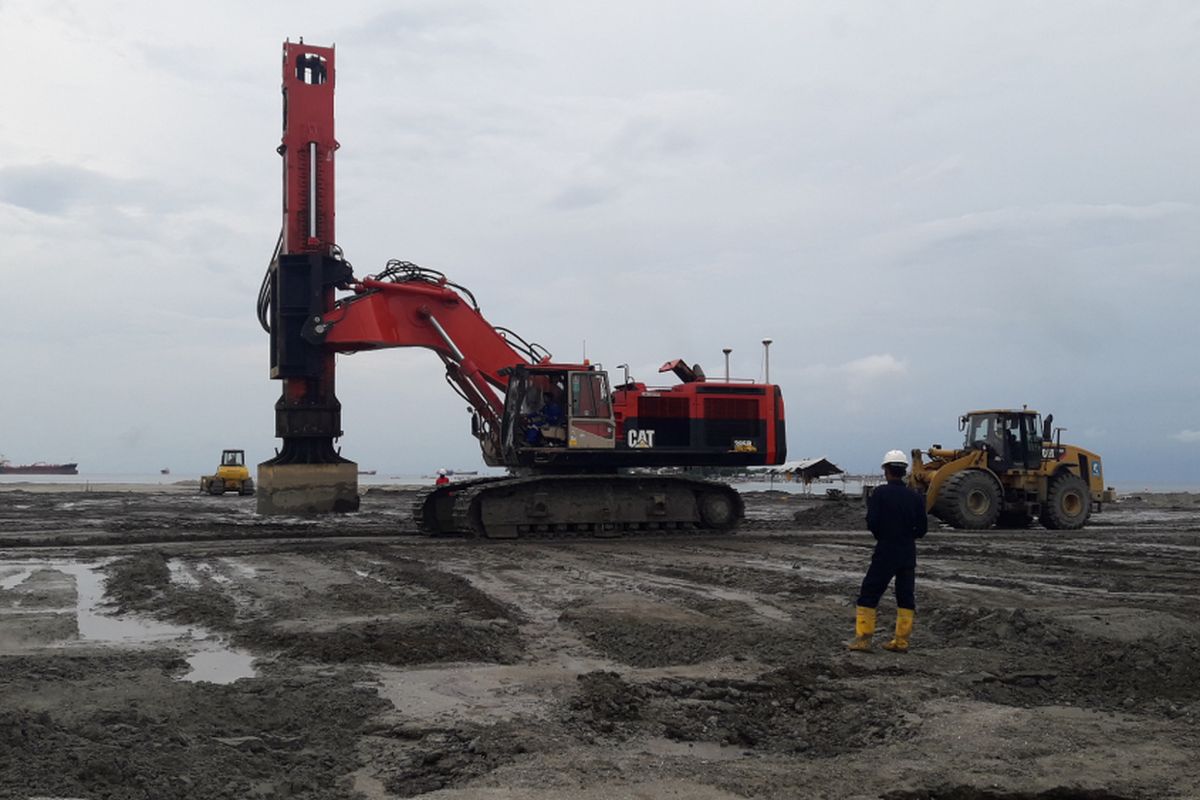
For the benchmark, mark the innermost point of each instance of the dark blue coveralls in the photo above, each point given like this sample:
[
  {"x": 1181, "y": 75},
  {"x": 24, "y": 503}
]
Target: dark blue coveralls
[
  {"x": 896, "y": 516},
  {"x": 551, "y": 414}
]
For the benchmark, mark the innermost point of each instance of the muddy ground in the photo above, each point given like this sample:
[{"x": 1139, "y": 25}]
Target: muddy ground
[{"x": 164, "y": 644}]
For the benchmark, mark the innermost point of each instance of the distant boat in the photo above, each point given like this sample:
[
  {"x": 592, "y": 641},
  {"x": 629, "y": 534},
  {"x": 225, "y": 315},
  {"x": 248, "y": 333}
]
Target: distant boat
[
  {"x": 366, "y": 472},
  {"x": 165, "y": 471},
  {"x": 37, "y": 468}
]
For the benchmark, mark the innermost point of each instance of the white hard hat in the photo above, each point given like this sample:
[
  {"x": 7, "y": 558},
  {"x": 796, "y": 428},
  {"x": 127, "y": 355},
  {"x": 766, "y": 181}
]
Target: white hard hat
[
  {"x": 896, "y": 457},
  {"x": 441, "y": 472}
]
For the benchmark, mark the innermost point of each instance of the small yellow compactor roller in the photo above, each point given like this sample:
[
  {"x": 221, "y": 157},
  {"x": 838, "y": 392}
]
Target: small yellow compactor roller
[
  {"x": 232, "y": 475},
  {"x": 1008, "y": 471}
]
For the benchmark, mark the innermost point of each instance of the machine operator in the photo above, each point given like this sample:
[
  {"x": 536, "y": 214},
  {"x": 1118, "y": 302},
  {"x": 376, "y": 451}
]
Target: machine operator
[{"x": 547, "y": 426}]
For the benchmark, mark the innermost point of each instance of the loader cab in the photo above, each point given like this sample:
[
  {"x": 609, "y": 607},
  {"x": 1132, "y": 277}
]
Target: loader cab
[
  {"x": 551, "y": 411},
  {"x": 1013, "y": 439},
  {"x": 233, "y": 458}
]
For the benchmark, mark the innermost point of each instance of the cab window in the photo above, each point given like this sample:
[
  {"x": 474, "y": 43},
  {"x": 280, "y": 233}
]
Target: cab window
[
  {"x": 589, "y": 395},
  {"x": 981, "y": 430}
]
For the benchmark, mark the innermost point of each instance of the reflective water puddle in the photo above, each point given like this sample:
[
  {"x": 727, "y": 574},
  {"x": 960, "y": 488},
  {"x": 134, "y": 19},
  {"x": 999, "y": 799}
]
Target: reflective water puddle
[
  {"x": 210, "y": 658},
  {"x": 11, "y": 577},
  {"x": 221, "y": 665}
]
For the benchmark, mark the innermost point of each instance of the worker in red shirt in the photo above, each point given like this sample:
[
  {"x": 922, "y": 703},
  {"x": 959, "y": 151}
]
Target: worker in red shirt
[{"x": 442, "y": 478}]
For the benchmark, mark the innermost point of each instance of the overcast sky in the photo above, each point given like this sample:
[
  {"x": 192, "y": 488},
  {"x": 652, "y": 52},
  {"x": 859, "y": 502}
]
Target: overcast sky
[{"x": 930, "y": 207}]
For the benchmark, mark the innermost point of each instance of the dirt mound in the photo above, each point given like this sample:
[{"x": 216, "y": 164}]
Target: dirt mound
[
  {"x": 47, "y": 670},
  {"x": 437, "y": 639},
  {"x": 809, "y": 708},
  {"x": 249, "y": 739},
  {"x": 1053, "y": 664},
  {"x": 832, "y": 515},
  {"x": 1146, "y": 677},
  {"x": 983, "y": 627},
  {"x": 421, "y": 760},
  {"x": 1176, "y": 501},
  {"x": 605, "y": 699},
  {"x": 709, "y": 630},
  {"x": 654, "y": 643},
  {"x": 800, "y": 708}
]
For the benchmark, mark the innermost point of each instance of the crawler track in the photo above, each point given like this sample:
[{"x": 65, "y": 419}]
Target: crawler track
[{"x": 578, "y": 505}]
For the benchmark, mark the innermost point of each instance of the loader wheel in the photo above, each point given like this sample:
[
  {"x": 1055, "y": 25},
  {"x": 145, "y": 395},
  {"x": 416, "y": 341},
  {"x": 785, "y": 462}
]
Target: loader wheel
[
  {"x": 971, "y": 500},
  {"x": 216, "y": 486},
  {"x": 1068, "y": 504},
  {"x": 247, "y": 487}
]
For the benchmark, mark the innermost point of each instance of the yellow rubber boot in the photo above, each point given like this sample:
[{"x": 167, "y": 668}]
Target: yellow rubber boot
[
  {"x": 904, "y": 623},
  {"x": 864, "y": 626}
]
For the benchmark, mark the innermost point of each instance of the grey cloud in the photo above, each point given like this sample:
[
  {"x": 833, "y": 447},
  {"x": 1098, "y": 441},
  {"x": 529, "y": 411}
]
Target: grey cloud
[
  {"x": 584, "y": 195},
  {"x": 439, "y": 28},
  {"x": 1029, "y": 220},
  {"x": 643, "y": 138},
  {"x": 642, "y": 146},
  {"x": 55, "y": 189},
  {"x": 194, "y": 63},
  {"x": 49, "y": 189}
]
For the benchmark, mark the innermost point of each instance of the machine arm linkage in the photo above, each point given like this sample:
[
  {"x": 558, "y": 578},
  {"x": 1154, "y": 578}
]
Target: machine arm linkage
[{"x": 423, "y": 310}]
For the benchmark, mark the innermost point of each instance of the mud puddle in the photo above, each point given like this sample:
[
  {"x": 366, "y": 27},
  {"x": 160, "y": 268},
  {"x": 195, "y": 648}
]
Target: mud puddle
[{"x": 74, "y": 592}]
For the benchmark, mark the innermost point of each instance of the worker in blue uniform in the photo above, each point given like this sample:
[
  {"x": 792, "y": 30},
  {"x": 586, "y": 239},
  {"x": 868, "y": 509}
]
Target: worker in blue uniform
[
  {"x": 547, "y": 426},
  {"x": 896, "y": 517}
]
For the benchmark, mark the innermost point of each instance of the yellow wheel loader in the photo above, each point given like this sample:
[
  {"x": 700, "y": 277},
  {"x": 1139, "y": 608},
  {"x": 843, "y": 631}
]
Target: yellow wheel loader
[
  {"x": 232, "y": 475},
  {"x": 1008, "y": 471}
]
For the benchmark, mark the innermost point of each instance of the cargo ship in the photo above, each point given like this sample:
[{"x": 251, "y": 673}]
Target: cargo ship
[{"x": 37, "y": 468}]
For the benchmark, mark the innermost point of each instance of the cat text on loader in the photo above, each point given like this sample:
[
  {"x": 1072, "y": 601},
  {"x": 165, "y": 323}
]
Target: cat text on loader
[
  {"x": 232, "y": 475},
  {"x": 1008, "y": 471}
]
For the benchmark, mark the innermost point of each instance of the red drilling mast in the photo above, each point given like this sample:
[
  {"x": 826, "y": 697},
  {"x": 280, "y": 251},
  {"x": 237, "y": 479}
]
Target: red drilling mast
[
  {"x": 308, "y": 148},
  {"x": 307, "y": 474}
]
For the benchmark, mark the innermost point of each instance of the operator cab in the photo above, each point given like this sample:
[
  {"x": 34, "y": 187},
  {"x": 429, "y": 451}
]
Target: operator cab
[
  {"x": 1012, "y": 439},
  {"x": 233, "y": 458},
  {"x": 558, "y": 407}
]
